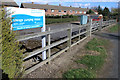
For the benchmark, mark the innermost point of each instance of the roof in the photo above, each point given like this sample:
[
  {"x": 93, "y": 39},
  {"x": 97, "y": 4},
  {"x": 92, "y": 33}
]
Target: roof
[
  {"x": 46, "y": 6},
  {"x": 95, "y": 15},
  {"x": 93, "y": 10},
  {"x": 10, "y": 3}
]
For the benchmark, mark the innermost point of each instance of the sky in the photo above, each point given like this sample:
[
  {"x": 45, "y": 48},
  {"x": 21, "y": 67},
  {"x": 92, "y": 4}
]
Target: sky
[{"x": 75, "y": 3}]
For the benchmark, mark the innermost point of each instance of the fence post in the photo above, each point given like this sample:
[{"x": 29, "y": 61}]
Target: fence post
[
  {"x": 79, "y": 32},
  {"x": 100, "y": 26},
  {"x": 89, "y": 28},
  {"x": 49, "y": 42},
  {"x": 108, "y": 22},
  {"x": 69, "y": 36}
]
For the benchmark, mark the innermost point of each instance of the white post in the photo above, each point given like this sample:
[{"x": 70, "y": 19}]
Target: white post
[{"x": 43, "y": 29}]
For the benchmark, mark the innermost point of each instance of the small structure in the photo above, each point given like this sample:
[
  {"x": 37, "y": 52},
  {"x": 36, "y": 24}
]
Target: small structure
[{"x": 83, "y": 19}]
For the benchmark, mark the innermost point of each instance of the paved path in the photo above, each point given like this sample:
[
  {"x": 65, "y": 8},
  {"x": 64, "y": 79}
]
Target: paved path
[{"x": 111, "y": 67}]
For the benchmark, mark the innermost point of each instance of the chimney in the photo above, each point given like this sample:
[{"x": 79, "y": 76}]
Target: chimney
[
  {"x": 79, "y": 7},
  {"x": 87, "y": 8},
  {"x": 32, "y": 2},
  {"x": 47, "y": 4},
  {"x": 70, "y": 6},
  {"x": 59, "y": 4}
]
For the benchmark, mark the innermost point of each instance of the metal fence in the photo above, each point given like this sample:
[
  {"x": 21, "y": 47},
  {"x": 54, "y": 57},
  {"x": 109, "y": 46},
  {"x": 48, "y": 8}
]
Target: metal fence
[{"x": 85, "y": 30}]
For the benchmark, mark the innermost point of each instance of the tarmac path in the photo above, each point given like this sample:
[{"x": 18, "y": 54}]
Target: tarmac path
[{"x": 110, "y": 69}]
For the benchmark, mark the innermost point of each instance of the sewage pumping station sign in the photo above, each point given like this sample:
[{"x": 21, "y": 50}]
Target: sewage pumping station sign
[{"x": 26, "y": 18}]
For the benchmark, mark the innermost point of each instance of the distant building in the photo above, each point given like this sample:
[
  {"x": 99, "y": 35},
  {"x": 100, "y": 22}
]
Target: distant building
[
  {"x": 52, "y": 10},
  {"x": 93, "y": 16},
  {"x": 9, "y": 3},
  {"x": 95, "y": 12}
]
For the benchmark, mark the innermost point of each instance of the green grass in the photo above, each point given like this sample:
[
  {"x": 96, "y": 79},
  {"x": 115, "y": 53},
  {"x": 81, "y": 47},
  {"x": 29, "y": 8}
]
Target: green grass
[
  {"x": 114, "y": 28},
  {"x": 93, "y": 62},
  {"x": 97, "y": 45},
  {"x": 59, "y": 20},
  {"x": 78, "y": 73}
]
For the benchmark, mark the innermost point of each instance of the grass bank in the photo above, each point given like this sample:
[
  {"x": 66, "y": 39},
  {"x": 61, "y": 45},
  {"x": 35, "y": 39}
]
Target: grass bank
[
  {"x": 93, "y": 62},
  {"x": 114, "y": 28}
]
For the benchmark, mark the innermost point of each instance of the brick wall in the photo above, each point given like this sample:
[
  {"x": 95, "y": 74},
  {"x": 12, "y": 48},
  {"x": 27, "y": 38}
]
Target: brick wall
[{"x": 56, "y": 12}]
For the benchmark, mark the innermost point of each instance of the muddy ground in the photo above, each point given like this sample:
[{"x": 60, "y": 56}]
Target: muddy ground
[
  {"x": 67, "y": 59},
  {"x": 61, "y": 63}
]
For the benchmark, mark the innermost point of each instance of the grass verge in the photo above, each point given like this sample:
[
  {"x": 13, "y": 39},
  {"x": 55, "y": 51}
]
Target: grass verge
[
  {"x": 79, "y": 73},
  {"x": 114, "y": 28},
  {"x": 93, "y": 62}
]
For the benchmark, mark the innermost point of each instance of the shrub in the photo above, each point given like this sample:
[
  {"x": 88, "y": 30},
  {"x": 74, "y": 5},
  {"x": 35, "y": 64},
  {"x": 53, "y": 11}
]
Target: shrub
[{"x": 11, "y": 54}]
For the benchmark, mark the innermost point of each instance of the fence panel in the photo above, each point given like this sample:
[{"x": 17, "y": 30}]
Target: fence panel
[{"x": 88, "y": 30}]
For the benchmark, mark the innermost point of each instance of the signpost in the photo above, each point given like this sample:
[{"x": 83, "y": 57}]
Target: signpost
[{"x": 27, "y": 19}]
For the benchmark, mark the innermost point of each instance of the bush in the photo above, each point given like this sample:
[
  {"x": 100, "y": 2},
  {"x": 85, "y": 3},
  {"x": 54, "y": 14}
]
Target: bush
[
  {"x": 78, "y": 73},
  {"x": 105, "y": 18},
  {"x": 11, "y": 54}
]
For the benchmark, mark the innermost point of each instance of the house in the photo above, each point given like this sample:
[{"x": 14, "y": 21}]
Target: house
[
  {"x": 8, "y": 3},
  {"x": 95, "y": 12},
  {"x": 52, "y": 10},
  {"x": 94, "y": 16}
]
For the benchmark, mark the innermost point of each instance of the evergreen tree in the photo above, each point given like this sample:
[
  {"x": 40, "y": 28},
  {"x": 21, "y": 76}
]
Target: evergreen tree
[
  {"x": 90, "y": 12},
  {"x": 106, "y": 12},
  {"x": 99, "y": 10},
  {"x": 11, "y": 53}
]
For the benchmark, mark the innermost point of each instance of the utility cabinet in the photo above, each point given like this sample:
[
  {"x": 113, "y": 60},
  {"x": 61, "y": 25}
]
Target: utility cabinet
[{"x": 83, "y": 19}]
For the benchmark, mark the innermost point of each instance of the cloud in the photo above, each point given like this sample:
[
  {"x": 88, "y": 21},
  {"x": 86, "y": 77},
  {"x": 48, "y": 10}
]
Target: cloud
[
  {"x": 102, "y": 7},
  {"x": 90, "y": 0},
  {"x": 84, "y": 5},
  {"x": 87, "y": 5}
]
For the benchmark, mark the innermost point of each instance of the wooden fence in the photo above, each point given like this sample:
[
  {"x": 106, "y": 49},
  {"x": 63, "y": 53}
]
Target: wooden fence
[{"x": 89, "y": 28}]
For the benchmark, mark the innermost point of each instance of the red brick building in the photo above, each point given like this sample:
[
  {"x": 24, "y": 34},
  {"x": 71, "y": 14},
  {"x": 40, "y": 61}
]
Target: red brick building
[
  {"x": 95, "y": 12},
  {"x": 52, "y": 10},
  {"x": 12, "y": 3}
]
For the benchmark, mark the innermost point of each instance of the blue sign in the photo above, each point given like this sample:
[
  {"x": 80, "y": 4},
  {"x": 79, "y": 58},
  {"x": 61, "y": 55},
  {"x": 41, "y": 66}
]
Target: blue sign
[
  {"x": 22, "y": 21},
  {"x": 24, "y": 18}
]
